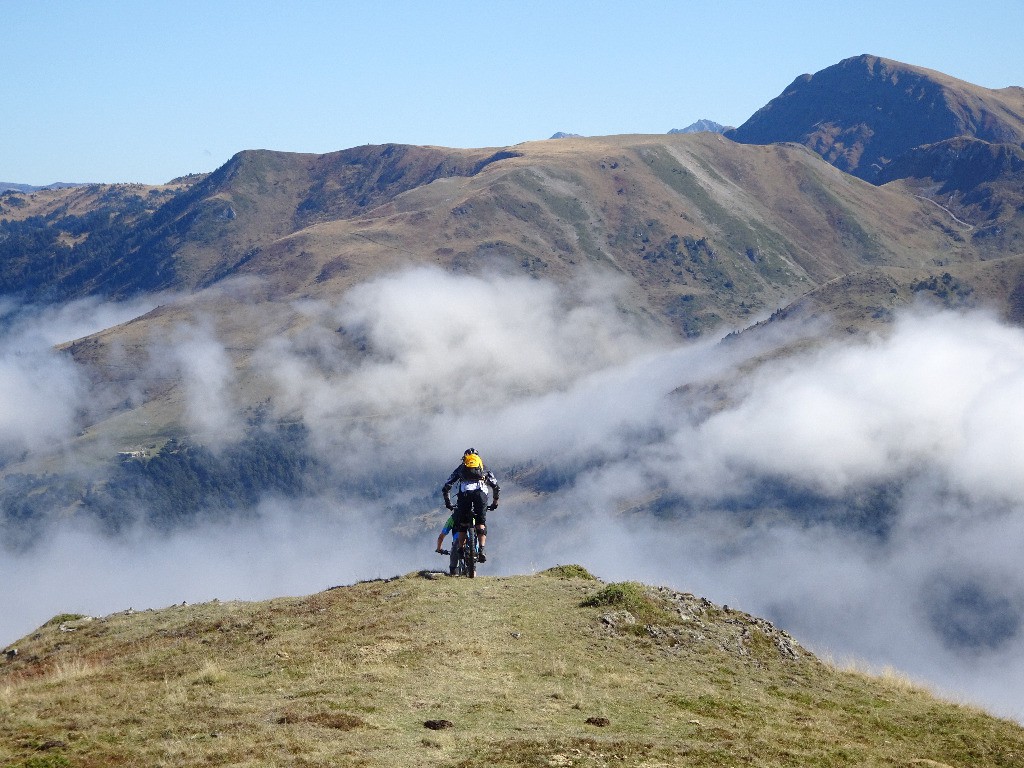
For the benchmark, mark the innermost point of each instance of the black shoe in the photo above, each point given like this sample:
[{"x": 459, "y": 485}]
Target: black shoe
[
  {"x": 451, "y": 571},
  {"x": 483, "y": 557}
]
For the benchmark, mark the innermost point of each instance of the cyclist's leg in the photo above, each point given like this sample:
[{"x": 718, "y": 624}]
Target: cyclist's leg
[
  {"x": 462, "y": 518},
  {"x": 464, "y": 511},
  {"x": 480, "y": 513}
]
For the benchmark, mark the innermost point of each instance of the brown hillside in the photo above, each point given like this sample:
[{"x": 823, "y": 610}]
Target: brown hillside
[
  {"x": 260, "y": 196},
  {"x": 710, "y": 231},
  {"x": 81, "y": 200}
]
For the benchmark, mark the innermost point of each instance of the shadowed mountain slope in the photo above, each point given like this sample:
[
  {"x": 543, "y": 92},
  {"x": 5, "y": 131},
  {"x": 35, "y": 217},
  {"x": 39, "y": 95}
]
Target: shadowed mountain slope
[
  {"x": 865, "y": 112},
  {"x": 977, "y": 181},
  {"x": 119, "y": 240},
  {"x": 552, "y": 669}
]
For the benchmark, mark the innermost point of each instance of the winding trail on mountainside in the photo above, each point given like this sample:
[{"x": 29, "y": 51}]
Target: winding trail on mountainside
[{"x": 951, "y": 214}]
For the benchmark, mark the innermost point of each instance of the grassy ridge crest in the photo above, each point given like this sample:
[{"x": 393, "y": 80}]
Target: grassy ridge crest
[{"x": 558, "y": 668}]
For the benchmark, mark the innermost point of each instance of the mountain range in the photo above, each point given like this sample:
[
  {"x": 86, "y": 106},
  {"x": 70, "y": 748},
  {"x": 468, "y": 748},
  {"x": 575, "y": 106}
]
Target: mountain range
[{"x": 713, "y": 233}]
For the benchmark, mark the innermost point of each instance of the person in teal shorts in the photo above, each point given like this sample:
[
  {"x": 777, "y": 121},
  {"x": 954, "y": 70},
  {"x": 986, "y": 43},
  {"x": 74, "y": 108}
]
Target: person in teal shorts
[{"x": 449, "y": 525}]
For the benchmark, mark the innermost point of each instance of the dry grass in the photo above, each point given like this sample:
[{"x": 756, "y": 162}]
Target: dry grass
[
  {"x": 210, "y": 674},
  {"x": 888, "y": 676}
]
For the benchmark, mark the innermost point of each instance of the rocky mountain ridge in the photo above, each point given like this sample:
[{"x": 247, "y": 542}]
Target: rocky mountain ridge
[{"x": 703, "y": 125}]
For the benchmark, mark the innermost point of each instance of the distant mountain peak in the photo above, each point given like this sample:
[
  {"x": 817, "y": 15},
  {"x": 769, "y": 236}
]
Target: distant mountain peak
[
  {"x": 866, "y": 111},
  {"x": 703, "y": 125},
  {"x": 6, "y": 186},
  {"x": 564, "y": 135}
]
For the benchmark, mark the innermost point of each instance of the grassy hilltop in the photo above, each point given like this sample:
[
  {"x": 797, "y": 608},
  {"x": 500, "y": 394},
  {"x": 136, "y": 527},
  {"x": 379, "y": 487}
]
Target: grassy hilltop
[{"x": 555, "y": 669}]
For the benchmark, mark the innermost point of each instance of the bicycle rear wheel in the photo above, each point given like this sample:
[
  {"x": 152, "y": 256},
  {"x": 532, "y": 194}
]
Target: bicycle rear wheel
[
  {"x": 460, "y": 558},
  {"x": 470, "y": 553}
]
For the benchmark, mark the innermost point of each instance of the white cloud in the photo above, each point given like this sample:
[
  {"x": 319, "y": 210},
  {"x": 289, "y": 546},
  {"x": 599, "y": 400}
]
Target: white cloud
[
  {"x": 41, "y": 390},
  {"x": 938, "y": 393},
  {"x": 208, "y": 376},
  {"x": 425, "y": 361}
]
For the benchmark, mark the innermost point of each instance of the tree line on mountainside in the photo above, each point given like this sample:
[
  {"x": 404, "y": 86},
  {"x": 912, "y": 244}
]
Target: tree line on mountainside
[
  {"x": 184, "y": 483},
  {"x": 110, "y": 250},
  {"x": 180, "y": 485}
]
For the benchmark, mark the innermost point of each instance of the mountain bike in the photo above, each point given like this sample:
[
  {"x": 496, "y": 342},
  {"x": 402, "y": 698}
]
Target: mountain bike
[{"x": 467, "y": 552}]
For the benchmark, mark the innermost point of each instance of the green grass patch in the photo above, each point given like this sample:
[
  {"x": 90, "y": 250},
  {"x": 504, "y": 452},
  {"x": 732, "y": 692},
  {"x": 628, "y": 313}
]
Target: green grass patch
[
  {"x": 44, "y": 761},
  {"x": 633, "y": 597},
  {"x": 571, "y": 571}
]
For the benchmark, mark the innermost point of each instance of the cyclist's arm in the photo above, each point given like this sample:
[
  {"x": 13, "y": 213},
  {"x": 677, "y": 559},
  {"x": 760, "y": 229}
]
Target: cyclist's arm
[
  {"x": 493, "y": 482},
  {"x": 447, "y": 489}
]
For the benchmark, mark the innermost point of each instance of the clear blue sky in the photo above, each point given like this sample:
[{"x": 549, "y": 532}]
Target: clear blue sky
[{"x": 146, "y": 90}]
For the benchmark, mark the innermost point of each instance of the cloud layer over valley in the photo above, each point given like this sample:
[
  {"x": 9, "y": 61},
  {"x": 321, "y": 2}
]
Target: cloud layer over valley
[{"x": 867, "y": 496}]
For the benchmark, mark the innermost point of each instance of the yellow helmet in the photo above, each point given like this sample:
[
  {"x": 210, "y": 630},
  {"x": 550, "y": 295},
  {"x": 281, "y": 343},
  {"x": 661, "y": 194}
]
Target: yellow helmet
[{"x": 472, "y": 460}]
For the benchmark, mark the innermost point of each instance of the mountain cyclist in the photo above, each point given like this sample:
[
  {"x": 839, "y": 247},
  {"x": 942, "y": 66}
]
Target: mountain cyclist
[{"x": 472, "y": 479}]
